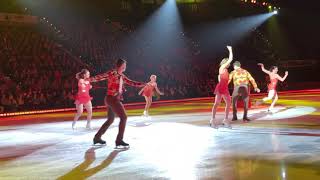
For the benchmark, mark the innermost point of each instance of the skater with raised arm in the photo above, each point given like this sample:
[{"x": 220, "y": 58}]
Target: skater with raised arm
[
  {"x": 272, "y": 86},
  {"x": 222, "y": 92}
]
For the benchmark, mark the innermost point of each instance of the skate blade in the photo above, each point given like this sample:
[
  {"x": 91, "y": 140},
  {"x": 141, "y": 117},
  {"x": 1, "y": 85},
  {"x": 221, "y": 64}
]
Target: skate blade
[
  {"x": 99, "y": 145},
  {"x": 122, "y": 147},
  {"x": 214, "y": 126}
]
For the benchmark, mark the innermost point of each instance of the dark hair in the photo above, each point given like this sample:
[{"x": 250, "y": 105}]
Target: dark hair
[
  {"x": 80, "y": 75},
  {"x": 273, "y": 67},
  {"x": 119, "y": 62},
  {"x": 237, "y": 63}
]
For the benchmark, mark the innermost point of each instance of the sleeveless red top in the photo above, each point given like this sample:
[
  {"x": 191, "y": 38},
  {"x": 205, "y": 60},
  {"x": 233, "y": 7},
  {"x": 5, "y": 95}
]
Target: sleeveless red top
[
  {"x": 83, "y": 96},
  {"x": 273, "y": 84},
  {"x": 148, "y": 90},
  {"x": 222, "y": 86}
]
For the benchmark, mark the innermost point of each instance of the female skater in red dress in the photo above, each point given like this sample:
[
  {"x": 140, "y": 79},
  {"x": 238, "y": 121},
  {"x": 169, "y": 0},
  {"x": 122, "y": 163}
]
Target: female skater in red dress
[
  {"x": 83, "y": 98},
  {"x": 222, "y": 91},
  {"x": 147, "y": 92},
  {"x": 272, "y": 87}
]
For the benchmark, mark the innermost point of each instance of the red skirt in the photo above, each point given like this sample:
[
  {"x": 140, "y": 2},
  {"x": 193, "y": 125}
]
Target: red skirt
[
  {"x": 147, "y": 92},
  {"x": 82, "y": 99},
  {"x": 222, "y": 89}
]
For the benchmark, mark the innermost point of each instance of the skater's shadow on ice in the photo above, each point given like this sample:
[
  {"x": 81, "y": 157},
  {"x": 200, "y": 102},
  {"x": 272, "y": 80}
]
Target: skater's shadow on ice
[
  {"x": 82, "y": 171},
  {"x": 265, "y": 113},
  {"x": 140, "y": 121},
  {"x": 139, "y": 124},
  {"x": 259, "y": 115}
]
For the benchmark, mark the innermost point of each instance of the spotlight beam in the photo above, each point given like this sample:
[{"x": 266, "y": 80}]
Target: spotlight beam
[
  {"x": 217, "y": 35},
  {"x": 160, "y": 33}
]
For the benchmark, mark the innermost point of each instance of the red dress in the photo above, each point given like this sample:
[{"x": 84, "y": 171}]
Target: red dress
[
  {"x": 222, "y": 86},
  {"x": 148, "y": 90},
  {"x": 273, "y": 84},
  {"x": 83, "y": 96}
]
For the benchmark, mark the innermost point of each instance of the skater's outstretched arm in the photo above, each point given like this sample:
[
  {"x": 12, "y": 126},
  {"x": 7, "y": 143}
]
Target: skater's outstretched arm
[
  {"x": 100, "y": 77},
  {"x": 253, "y": 82},
  {"x": 225, "y": 65},
  {"x": 158, "y": 91},
  {"x": 282, "y": 78},
  {"x": 263, "y": 69},
  {"x": 132, "y": 83}
]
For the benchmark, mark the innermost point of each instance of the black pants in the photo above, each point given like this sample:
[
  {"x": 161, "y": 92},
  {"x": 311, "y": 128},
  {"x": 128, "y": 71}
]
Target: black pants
[
  {"x": 243, "y": 93},
  {"x": 114, "y": 105}
]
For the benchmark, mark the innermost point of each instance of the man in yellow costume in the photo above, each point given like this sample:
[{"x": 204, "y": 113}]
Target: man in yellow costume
[{"x": 241, "y": 79}]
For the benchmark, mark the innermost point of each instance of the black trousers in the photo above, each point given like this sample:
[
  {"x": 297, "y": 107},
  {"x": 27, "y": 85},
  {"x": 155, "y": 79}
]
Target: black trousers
[
  {"x": 115, "y": 106},
  {"x": 240, "y": 92}
]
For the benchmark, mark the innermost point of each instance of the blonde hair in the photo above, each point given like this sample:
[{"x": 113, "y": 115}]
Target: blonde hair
[
  {"x": 153, "y": 76},
  {"x": 224, "y": 60}
]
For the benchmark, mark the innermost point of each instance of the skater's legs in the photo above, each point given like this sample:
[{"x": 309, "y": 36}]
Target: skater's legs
[
  {"x": 274, "y": 101},
  {"x": 217, "y": 101},
  {"x": 235, "y": 97},
  {"x": 148, "y": 104},
  {"x": 115, "y": 106},
  {"x": 79, "y": 108},
  {"x": 88, "y": 107},
  {"x": 118, "y": 108},
  {"x": 246, "y": 105},
  {"x": 227, "y": 100},
  {"x": 271, "y": 94},
  {"x": 109, "y": 121},
  {"x": 244, "y": 93}
]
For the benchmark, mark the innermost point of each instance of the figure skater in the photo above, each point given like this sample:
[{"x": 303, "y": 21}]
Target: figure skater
[
  {"x": 116, "y": 82},
  {"x": 83, "y": 98},
  {"x": 241, "y": 80},
  {"x": 222, "y": 91},
  {"x": 147, "y": 91},
  {"x": 272, "y": 86}
]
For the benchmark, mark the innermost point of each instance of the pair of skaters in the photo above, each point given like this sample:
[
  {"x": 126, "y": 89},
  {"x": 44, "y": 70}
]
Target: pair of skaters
[{"x": 241, "y": 80}]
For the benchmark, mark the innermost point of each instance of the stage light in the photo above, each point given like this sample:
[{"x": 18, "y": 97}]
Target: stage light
[
  {"x": 270, "y": 7},
  {"x": 275, "y": 12}
]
